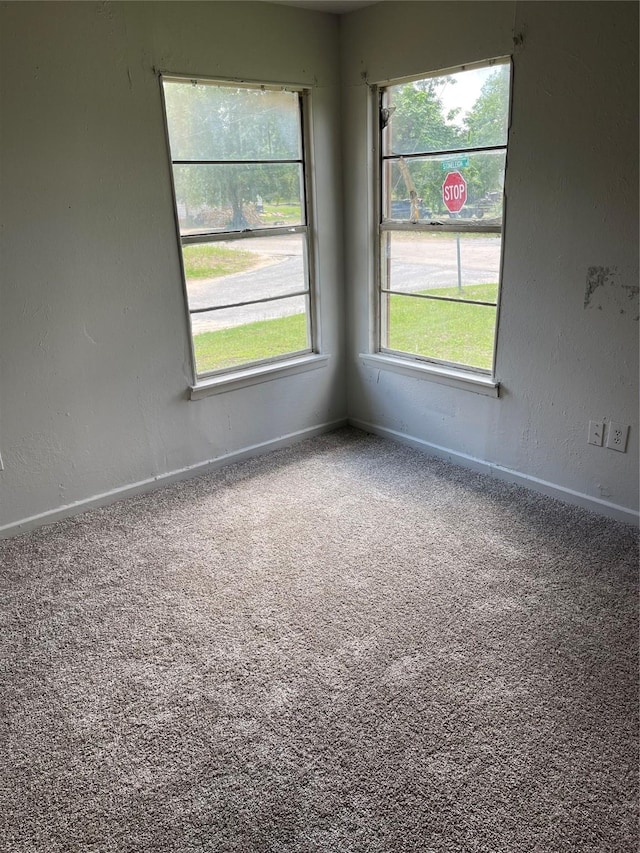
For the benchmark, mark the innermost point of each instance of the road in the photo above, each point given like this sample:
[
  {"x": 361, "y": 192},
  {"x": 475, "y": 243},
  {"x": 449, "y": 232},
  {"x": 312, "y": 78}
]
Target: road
[{"x": 279, "y": 271}]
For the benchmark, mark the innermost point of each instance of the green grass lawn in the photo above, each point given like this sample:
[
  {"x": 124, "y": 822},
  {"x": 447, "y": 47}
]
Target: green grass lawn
[
  {"x": 209, "y": 260},
  {"x": 286, "y": 213},
  {"x": 251, "y": 342},
  {"x": 446, "y": 331}
]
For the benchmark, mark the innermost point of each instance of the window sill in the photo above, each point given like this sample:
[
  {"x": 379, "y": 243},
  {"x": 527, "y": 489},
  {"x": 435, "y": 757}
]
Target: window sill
[
  {"x": 455, "y": 378},
  {"x": 254, "y": 375}
]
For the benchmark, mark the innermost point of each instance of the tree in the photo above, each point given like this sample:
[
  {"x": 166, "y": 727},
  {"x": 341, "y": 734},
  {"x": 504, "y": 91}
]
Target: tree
[
  {"x": 487, "y": 124},
  {"x": 239, "y": 128},
  {"x": 487, "y": 121},
  {"x": 418, "y": 123}
]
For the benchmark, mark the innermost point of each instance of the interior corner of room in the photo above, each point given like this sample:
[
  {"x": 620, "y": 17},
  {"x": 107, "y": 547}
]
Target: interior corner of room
[{"x": 95, "y": 352}]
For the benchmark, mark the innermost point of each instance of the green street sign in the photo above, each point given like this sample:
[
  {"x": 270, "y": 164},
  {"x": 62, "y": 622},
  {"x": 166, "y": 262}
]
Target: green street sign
[{"x": 454, "y": 163}]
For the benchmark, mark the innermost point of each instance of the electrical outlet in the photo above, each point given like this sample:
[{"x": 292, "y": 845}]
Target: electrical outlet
[
  {"x": 617, "y": 436},
  {"x": 596, "y": 433}
]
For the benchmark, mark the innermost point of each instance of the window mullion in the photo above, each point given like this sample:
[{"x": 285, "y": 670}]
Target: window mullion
[
  {"x": 444, "y": 152},
  {"x": 249, "y": 302},
  {"x": 237, "y": 162},
  {"x": 453, "y": 227},
  {"x": 438, "y": 298},
  {"x": 217, "y": 236}
]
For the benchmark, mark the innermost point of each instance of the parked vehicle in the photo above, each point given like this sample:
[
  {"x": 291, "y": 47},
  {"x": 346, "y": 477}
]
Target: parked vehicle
[{"x": 402, "y": 209}]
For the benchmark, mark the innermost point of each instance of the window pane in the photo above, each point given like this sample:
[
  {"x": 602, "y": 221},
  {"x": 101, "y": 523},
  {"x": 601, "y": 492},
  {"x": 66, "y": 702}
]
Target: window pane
[
  {"x": 236, "y": 336},
  {"x": 466, "y": 109},
  {"x": 210, "y": 122},
  {"x": 237, "y": 162},
  {"x": 463, "y": 266},
  {"x": 232, "y": 271},
  {"x": 454, "y": 332},
  {"x": 479, "y": 197},
  {"x": 237, "y": 197}
]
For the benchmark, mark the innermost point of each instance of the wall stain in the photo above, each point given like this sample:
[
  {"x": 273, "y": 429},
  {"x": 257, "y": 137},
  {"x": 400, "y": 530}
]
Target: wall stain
[
  {"x": 604, "y": 282},
  {"x": 596, "y": 277},
  {"x": 633, "y": 292}
]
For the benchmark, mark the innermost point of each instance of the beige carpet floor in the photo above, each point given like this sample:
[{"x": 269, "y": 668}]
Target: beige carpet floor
[{"x": 343, "y": 647}]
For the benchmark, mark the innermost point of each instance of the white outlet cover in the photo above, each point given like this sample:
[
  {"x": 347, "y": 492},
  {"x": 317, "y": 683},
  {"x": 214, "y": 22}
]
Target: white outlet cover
[{"x": 617, "y": 436}]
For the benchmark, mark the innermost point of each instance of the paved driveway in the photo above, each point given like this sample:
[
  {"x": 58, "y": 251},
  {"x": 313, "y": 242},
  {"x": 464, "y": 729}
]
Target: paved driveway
[{"x": 415, "y": 265}]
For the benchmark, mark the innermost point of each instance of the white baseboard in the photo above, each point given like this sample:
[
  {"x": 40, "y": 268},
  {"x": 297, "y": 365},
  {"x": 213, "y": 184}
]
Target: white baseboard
[
  {"x": 552, "y": 490},
  {"x": 17, "y": 527},
  {"x": 544, "y": 487}
]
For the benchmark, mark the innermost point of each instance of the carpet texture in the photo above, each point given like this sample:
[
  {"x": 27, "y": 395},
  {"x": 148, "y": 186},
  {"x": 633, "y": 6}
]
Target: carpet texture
[{"x": 341, "y": 647}]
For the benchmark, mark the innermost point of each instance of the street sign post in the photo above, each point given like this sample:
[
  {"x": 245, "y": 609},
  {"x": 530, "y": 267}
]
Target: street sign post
[
  {"x": 454, "y": 192},
  {"x": 454, "y": 196}
]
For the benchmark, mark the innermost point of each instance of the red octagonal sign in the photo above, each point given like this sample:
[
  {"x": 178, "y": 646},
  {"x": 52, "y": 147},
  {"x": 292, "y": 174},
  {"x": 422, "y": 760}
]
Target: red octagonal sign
[{"x": 454, "y": 191}]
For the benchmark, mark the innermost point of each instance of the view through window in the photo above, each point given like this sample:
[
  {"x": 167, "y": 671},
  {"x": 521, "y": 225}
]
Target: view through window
[
  {"x": 443, "y": 157},
  {"x": 237, "y": 156}
]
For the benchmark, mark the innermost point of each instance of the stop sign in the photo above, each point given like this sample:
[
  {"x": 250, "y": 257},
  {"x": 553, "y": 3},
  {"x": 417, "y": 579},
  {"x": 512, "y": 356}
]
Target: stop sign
[{"x": 454, "y": 191}]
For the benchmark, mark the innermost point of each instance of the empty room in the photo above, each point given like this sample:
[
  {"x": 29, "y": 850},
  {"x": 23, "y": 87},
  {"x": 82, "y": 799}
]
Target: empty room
[{"x": 319, "y": 458}]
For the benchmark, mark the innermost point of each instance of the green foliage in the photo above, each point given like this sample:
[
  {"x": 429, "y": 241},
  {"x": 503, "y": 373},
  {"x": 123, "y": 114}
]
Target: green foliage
[
  {"x": 419, "y": 124},
  {"x": 487, "y": 124},
  {"x": 487, "y": 121}
]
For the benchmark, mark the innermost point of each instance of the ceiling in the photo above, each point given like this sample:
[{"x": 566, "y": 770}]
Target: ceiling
[{"x": 338, "y": 7}]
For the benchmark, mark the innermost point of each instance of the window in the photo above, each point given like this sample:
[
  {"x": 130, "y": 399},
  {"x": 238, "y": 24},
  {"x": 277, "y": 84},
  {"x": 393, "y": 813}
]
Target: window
[
  {"x": 240, "y": 189},
  {"x": 443, "y": 153}
]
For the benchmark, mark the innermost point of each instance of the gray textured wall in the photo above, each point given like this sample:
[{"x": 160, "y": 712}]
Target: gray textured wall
[
  {"x": 93, "y": 335},
  {"x": 572, "y": 205}
]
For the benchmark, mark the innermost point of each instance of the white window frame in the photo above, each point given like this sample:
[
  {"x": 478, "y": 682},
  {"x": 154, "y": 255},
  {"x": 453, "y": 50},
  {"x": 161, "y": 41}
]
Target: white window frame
[
  {"x": 466, "y": 377},
  {"x": 249, "y": 373}
]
